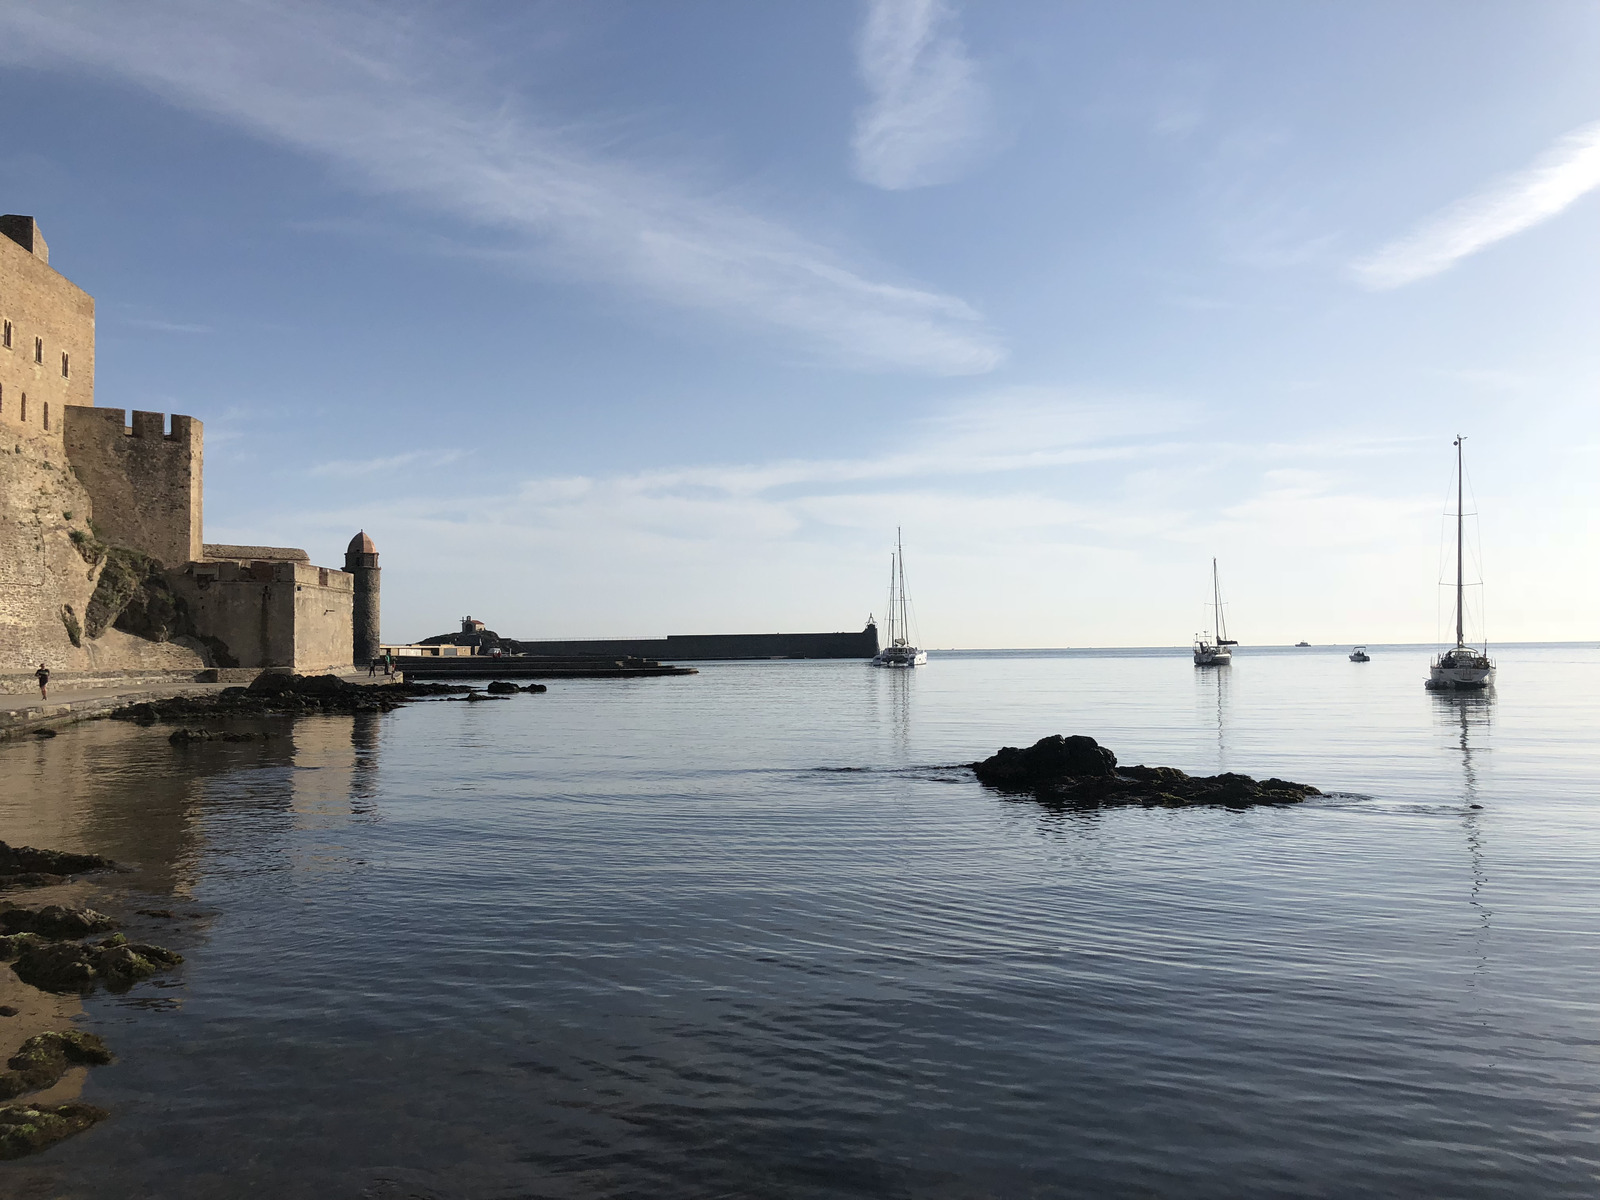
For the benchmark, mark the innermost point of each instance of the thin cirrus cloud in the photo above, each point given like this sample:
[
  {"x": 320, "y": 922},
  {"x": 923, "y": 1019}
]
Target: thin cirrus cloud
[
  {"x": 928, "y": 115},
  {"x": 400, "y": 110},
  {"x": 1564, "y": 173}
]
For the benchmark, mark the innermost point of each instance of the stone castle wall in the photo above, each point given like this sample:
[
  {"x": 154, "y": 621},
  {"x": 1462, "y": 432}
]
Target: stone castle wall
[
  {"x": 102, "y": 563},
  {"x": 146, "y": 482},
  {"x": 270, "y": 614},
  {"x": 48, "y": 317}
]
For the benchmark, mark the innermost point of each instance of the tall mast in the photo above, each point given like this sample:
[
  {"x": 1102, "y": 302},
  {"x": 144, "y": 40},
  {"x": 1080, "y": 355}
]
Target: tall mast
[
  {"x": 1460, "y": 586},
  {"x": 1216, "y": 604},
  {"x": 891, "y": 600},
  {"x": 900, "y": 553}
]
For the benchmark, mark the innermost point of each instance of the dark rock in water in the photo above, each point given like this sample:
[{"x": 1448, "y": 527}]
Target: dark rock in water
[
  {"x": 536, "y": 688},
  {"x": 1078, "y": 772},
  {"x": 44, "y": 733},
  {"x": 27, "y": 1129},
  {"x": 501, "y": 687},
  {"x": 165, "y": 914},
  {"x": 23, "y": 866},
  {"x": 275, "y": 693},
  {"x": 55, "y": 921},
  {"x": 65, "y": 967},
  {"x": 43, "y": 1060},
  {"x": 182, "y": 737},
  {"x": 1046, "y": 761}
]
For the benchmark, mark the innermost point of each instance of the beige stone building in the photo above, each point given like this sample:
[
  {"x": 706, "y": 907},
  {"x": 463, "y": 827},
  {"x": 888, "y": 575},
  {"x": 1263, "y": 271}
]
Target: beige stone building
[{"x": 104, "y": 569}]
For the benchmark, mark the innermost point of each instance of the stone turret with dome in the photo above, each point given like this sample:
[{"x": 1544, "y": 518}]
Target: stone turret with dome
[{"x": 361, "y": 560}]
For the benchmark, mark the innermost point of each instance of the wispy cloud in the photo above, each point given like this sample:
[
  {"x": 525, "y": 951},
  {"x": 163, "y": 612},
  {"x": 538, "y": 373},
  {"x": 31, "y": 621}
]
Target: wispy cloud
[
  {"x": 1569, "y": 169},
  {"x": 159, "y": 326},
  {"x": 401, "y": 109},
  {"x": 393, "y": 462},
  {"x": 929, "y": 111}
]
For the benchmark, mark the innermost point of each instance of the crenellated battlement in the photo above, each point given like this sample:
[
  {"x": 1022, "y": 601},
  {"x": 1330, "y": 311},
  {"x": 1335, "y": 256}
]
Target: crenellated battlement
[{"x": 145, "y": 481}]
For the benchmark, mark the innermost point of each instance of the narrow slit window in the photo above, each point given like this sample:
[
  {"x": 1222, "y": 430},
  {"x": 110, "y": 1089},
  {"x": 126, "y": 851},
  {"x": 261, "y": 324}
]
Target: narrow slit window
[
  {"x": 2, "y": 397},
  {"x": 47, "y": 414},
  {"x": 38, "y": 350},
  {"x": 24, "y": 406},
  {"x": 64, "y": 364},
  {"x": 5, "y": 336}
]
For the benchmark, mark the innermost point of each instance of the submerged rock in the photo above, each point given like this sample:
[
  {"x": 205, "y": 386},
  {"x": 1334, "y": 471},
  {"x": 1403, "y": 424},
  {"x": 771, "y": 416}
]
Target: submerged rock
[
  {"x": 43, "y": 1059},
  {"x": 116, "y": 963},
  {"x": 55, "y": 921},
  {"x": 500, "y": 687},
  {"x": 1078, "y": 772},
  {"x": 23, "y": 866},
  {"x": 28, "y": 1128}
]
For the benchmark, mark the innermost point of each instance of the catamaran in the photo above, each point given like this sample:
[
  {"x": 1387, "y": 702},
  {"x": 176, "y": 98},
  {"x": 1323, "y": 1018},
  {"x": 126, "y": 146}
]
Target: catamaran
[
  {"x": 899, "y": 652},
  {"x": 1217, "y": 653},
  {"x": 1461, "y": 668}
]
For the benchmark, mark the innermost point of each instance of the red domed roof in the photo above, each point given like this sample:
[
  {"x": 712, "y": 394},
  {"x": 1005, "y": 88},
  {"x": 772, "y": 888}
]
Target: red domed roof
[{"x": 361, "y": 544}]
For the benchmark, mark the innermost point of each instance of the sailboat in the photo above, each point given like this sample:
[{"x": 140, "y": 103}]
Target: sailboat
[
  {"x": 1461, "y": 667},
  {"x": 899, "y": 652},
  {"x": 1208, "y": 653}
]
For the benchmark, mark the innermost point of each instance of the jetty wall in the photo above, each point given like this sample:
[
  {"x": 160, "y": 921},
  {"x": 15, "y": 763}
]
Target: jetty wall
[{"x": 701, "y": 647}]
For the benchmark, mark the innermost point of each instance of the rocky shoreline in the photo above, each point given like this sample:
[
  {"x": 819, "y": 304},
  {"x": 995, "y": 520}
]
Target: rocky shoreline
[
  {"x": 43, "y": 947},
  {"x": 1078, "y": 772},
  {"x": 274, "y": 694}
]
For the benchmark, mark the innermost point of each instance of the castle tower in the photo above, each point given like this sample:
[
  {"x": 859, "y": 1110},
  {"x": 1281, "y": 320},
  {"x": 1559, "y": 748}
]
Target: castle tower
[{"x": 361, "y": 560}]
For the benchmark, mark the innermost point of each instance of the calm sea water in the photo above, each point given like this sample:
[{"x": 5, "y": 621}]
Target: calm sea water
[{"x": 751, "y": 933}]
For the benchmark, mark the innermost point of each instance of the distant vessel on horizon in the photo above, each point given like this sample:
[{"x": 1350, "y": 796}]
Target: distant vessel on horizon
[
  {"x": 1209, "y": 653},
  {"x": 899, "y": 652},
  {"x": 1359, "y": 654},
  {"x": 1461, "y": 668}
]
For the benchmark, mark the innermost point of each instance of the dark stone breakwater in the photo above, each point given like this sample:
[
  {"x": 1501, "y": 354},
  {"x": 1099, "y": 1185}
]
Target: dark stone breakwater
[{"x": 1078, "y": 772}]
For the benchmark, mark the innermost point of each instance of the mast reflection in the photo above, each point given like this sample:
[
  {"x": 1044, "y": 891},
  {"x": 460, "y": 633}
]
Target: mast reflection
[{"x": 1467, "y": 718}]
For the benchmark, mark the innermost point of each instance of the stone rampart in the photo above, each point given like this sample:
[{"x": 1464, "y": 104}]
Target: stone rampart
[
  {"x": 145, "y": 483},
  {"x": 269, "y": 614}
]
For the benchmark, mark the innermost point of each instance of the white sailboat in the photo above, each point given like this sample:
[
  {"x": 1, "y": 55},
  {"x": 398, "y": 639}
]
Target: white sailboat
[
  {"x": 1218, "y": 652},
  {"x": 1461, "y": 668},
  {"x": 899, "y": 652}
]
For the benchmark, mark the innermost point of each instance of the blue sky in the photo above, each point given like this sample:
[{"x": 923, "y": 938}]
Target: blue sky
[{"x": 629, "y": 318}]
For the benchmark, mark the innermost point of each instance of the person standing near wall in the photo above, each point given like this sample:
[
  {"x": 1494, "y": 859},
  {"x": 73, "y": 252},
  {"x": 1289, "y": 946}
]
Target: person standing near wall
[{"x": 43, "y": 676}]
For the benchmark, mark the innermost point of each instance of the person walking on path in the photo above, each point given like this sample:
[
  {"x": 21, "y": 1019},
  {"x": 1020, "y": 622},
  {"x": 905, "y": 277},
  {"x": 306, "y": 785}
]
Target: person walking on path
[
  {"x": 388, "y": 662},
  {"x": 43, "y": 676},
  {"x": 372, "y": 667}
]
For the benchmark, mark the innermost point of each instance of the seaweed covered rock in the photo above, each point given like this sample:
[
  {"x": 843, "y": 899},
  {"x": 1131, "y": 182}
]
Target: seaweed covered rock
[
  {"x": 1078, "y": 772},
  {"x": 55, "y": 921},
  {"x": 501, "y": 688},
  {"x": 28, "y": 1128},
  {"x": 23, "y": 866},
  {"x": 116, "y": 963},
  {"x": 12, "y": 945},
  {"x": 43, "y": 1059}
]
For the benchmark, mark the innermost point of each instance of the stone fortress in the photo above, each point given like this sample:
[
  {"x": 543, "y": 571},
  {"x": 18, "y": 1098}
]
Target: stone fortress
[{"x": 104, "y": 571}]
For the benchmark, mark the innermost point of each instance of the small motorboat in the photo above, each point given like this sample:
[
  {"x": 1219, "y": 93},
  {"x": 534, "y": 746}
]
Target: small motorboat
[
  {"x": 1359, "y": 654},
  {"x": 1302, "y": 645}
]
